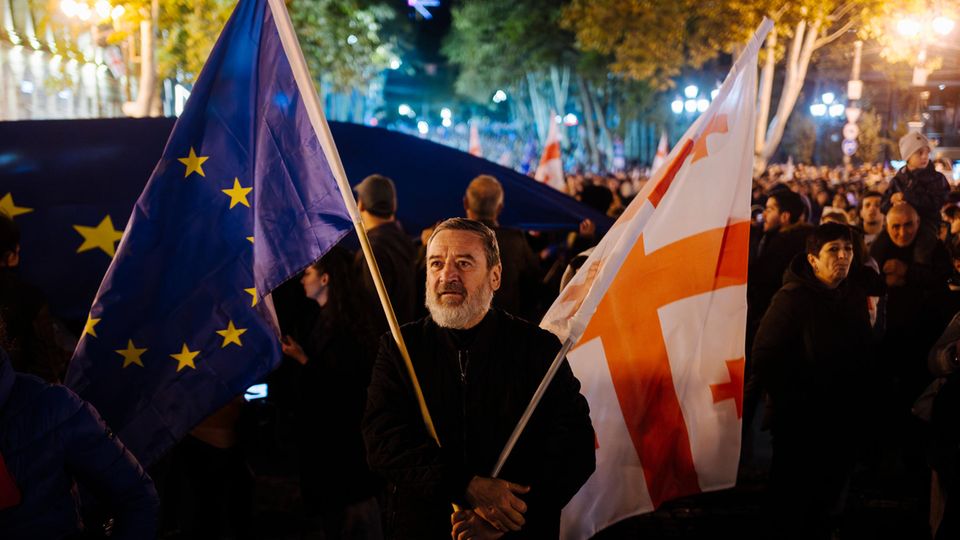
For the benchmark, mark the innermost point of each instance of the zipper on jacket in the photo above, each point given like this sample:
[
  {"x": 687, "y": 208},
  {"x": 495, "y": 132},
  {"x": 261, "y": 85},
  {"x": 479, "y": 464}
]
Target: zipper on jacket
[{"x": 464, "y": 365}]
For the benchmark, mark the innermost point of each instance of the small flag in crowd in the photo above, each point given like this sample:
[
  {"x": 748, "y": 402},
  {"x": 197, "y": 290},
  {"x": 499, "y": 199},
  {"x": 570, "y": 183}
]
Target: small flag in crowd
[
  {"x": 241, "y": 200},
  {"x": 475, "y": 140},
  {"x": 550, "y": 171},
  {"x": 658, "y": 313},
  {"x": 662, "y": 151}
]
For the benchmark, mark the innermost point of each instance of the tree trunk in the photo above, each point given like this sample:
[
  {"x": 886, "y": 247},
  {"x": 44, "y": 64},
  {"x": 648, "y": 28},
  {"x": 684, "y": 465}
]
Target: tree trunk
[
  {"x": 590, "y": 130},
  {"x": 801, "y": 49},
  {"x": 147, "y": 87},
  {"x": 766, "y": 90},
  {"x": 561, "y": 87},
  {"x": 541, "y": 112},
  {"x": 606, "y": 139}
]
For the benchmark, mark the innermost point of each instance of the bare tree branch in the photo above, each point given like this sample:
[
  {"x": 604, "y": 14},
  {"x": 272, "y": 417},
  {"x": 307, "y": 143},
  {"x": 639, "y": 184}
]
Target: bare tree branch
[{"x": 830, "y": 38}]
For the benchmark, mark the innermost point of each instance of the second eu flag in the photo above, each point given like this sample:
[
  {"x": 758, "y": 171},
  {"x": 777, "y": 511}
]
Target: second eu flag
[{"x": 241, "y": 200}]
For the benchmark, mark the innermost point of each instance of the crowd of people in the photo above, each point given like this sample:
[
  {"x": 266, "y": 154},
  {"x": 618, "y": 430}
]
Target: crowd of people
[{"x": 853, "y": 335}]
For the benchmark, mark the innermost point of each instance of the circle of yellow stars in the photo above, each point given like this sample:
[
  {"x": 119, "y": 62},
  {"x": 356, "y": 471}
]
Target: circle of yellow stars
[{"x": 104, "y": 236}]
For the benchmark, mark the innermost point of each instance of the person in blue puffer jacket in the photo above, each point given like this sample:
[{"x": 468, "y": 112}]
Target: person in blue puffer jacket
[{"x": 51, "y": 441}]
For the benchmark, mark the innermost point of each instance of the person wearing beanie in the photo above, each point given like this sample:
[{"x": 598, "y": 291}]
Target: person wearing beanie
[
  {"x": 393, "y": 250},
  {"x": 918, "y": 182}
]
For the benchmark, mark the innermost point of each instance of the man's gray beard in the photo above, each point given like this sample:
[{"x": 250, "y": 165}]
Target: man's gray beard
[{"x": 474, "y": 306}]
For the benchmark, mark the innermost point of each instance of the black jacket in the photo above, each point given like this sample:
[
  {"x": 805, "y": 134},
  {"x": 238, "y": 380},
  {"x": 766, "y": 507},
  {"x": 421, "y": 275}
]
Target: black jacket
[
  {"x": 333, "y": 393},
  {"x": 396, "y": 259},
  {"x": 520, "y": 280},
  {"x": 774, "y": 252},
  {"x": 52, "y": 440},
  {"x": 476, "y": 394},
  {"x": 812, "y": 353},
  {"x": 925, "y": 189},
  {"x": 923, "y": 295}
]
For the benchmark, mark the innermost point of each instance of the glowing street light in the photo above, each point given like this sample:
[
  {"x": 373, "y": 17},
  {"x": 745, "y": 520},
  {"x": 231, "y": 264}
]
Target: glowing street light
[
  {"x": 818, "y": 109},
  {"x": 691, "y": 91},
  {"x": 423, "y": 127},
  {"x": 69, "y": 8},
  {"x": 103, "y": 8},
  {"x": 690, "y": 105},
  {"x": 446, "y": 113},
  {"x": 84, "y": 12},
  {"x": 942, "y": 25},
  {"x": 395, "y": 63},
  {"x": 500, "y": 96},
  {"x": 677, "y": 106},
  {"x": 405, "y": 110},
  {"x": 908, "y": 27},
  {"x": 836, "y": 110},
  {"x": 828, "y": 97}
]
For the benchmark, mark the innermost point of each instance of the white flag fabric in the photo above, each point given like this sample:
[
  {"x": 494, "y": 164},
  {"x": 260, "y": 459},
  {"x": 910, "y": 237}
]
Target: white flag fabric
[
  {"x": 662, "y": 151},
  {"x": 658, "y": 314},
  {"x": 550, "y": 170}
]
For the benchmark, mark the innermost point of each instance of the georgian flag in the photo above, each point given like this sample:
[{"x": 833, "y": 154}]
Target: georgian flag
[{"x": 658, "y": 314}]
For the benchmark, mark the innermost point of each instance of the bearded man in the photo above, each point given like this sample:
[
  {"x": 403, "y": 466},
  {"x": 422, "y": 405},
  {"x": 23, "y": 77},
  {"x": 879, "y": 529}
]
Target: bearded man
[{"x": 478, "y": 368}]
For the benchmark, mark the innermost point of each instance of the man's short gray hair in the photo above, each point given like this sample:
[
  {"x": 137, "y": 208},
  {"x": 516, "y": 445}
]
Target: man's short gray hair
[
  {"x": 485, "y": 197},
  {"x": 490, "y": 247}
]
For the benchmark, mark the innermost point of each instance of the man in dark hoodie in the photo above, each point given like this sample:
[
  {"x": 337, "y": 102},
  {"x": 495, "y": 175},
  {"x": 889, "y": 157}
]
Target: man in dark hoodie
[
  {"x": 810, "y": 355},
  {"x": 918, "y": 182}
]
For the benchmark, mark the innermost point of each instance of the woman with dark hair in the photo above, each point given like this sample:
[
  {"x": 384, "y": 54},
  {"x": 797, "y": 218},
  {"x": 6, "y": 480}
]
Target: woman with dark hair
[
  {"x": 812, "y": 354},
  {"x": 336, "y": 485}
]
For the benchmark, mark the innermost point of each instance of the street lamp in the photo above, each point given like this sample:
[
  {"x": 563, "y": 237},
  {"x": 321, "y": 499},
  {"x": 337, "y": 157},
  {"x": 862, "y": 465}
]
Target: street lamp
[
  {"x": 692, "y": 100},
  {"x": 922, "y": 31},
  {"x": 942, "y": 25}
]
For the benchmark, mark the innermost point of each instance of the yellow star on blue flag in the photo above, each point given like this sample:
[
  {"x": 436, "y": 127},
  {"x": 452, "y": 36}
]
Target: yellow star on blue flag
[
  {"x": 184, "y": 261},
  {"x": 194, "y": 163},
  {"x": 238, "y": 194},
  {"x": 8, "y": 207},
  {"x": 103, "y": 237}
]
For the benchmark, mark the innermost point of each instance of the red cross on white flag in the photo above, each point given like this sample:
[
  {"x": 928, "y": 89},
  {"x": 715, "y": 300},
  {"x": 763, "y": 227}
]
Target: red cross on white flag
[{"x": 658, "y": 314}]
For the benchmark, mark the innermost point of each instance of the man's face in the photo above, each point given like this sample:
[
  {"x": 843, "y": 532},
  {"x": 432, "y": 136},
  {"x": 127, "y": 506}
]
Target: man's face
[
  {"x": 902, "y": 227},
  {"x": 832, "y": 264},
  {"x": 771, "y": 215},
  {"x": 871, "y": 215},
  {"x": 460, "y": 286},
  {"x": 919, "y": 159}
]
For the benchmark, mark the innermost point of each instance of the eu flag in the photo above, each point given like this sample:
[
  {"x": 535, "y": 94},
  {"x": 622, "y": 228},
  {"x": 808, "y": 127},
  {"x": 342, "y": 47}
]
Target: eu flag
[{"x": 241, "y": 200}]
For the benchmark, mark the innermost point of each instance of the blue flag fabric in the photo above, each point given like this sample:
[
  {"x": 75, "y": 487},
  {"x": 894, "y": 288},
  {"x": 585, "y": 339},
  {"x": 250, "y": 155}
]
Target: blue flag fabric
[{"x": 241, "y": 200}]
